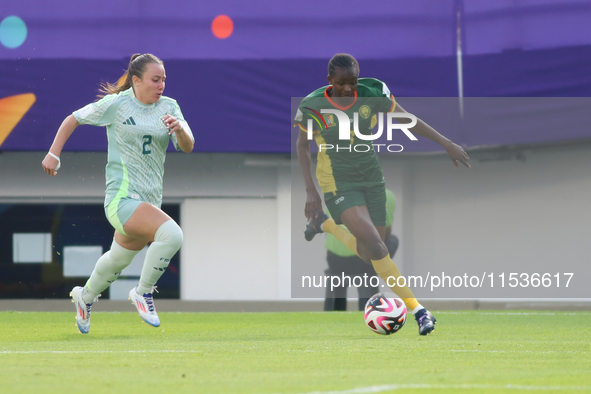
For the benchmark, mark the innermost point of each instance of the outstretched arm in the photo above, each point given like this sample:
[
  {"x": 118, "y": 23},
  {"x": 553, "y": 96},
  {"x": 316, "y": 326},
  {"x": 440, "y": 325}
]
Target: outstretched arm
[
  {"x": 313, "y": 200},
  {"x": 64, "y": 132},
  {"x": 455, "y": 152}
]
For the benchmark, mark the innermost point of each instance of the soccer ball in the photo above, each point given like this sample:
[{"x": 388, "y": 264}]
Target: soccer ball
[{"x": 385, "y": 315}]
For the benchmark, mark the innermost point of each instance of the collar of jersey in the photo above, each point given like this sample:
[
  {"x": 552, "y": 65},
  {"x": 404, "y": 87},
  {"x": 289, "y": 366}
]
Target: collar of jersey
[
  {"x": 335, "y": 104},
  {"x": 138, "y": 102}
]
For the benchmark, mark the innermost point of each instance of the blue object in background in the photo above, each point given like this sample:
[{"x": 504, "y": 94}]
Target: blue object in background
[{"x": 13, "y": 32}]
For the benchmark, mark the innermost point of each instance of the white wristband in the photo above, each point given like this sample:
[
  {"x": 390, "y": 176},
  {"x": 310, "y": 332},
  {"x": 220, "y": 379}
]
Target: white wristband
[{"x": 59, "y": 163}]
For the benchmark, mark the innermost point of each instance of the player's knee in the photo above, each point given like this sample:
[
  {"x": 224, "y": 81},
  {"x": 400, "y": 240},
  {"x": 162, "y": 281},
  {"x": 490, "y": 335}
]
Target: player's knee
[
  {"x": 376, "y": 249},
  {"x": 170, "y": 233}
]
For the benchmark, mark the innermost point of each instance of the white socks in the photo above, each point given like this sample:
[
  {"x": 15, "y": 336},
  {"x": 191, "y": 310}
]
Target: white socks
[
  {"x": 107, "y": 270},
  {"x": 418, "y": 308},
  {"x": 167, "y": 241}
]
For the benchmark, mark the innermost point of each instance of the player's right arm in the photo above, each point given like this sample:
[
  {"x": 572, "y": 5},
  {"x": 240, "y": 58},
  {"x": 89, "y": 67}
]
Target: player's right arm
[
  {"x": 64, "y": 132},
  {"x": 96, "y": 114},
  {"x": 313, "y": 200}
]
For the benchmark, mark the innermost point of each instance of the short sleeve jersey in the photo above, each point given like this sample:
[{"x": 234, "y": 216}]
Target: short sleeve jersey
[
  {"x": 335, "y": 246},
  {"x": 137, "y": 142},
  {"x": 353, "y": 162}
]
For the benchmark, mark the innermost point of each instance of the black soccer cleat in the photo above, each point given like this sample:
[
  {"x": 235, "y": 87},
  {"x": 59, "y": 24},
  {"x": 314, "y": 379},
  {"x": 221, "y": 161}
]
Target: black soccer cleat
[
  {"x": 426, "y": 322},
  {"x": 313, "y": 226}
]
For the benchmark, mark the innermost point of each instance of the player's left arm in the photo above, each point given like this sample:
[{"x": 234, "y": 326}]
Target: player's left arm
[
  {"x": 176, "y": 124},
  {"x": 455, "y": 152}
]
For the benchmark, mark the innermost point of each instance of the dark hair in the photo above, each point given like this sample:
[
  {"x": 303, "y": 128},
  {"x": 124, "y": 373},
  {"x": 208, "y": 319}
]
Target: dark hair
[
  {"x": 343, "y": 60},
  {"x": 137, "y": 67}
]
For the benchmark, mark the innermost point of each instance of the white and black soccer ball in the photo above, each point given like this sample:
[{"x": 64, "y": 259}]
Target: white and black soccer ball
[{"x": 385, "y": 315}]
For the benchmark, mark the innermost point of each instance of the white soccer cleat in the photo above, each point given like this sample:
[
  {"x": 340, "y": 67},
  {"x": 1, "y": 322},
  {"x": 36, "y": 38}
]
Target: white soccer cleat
[
  {"x": 82, "y": 310},
  {"x": 145, "y": 307}
]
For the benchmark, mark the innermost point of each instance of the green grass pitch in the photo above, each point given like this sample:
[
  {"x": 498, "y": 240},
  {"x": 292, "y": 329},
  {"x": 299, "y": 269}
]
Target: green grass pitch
[{"x": 470, "y": 351}]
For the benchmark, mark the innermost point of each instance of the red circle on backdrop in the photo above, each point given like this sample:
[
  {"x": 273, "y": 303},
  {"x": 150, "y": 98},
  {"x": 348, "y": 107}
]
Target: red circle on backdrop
[{"x": 222, "y": 26}]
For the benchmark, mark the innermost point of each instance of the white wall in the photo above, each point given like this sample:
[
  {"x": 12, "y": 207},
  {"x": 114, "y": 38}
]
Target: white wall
[
  {"x": 234, "y": 213},
  {"x": 82, "y": 176},
  {"x": 230, "y": 249},
  {"x": 500, "y": 215}
]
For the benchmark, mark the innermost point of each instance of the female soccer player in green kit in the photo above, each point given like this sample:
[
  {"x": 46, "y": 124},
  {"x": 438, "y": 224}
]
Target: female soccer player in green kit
[
  {"x": 140, "y": 123},
  {"x": 351, "y": 179}
]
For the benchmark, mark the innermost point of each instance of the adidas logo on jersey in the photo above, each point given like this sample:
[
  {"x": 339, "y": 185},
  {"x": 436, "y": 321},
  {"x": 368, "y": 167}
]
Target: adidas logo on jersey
[{"x": 130, "y": 121}]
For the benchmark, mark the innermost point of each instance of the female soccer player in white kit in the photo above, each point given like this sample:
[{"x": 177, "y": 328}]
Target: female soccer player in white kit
[{"x": 140, "y": 123}]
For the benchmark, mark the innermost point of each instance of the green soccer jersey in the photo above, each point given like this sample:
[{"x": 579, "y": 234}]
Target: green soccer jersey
[
  {"x": 335, "y": 246},
  {"x": 137, "y": 140},
  {"x": 344, "y": 163}
]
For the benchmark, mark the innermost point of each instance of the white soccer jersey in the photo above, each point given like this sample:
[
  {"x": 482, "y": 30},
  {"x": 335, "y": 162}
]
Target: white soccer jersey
[{"x": 137, "y": 139}]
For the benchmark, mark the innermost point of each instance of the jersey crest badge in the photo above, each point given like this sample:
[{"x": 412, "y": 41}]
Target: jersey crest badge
[{"x": 365, "y": 111}]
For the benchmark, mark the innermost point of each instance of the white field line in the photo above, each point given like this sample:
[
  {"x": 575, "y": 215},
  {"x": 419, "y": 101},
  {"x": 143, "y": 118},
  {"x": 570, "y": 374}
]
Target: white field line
[
  {"x": 514, "y": 313},
  {"x": 289, "y": 350},
  {"x": 394, "y": 387},
  {"x": 92, "y": 351}
]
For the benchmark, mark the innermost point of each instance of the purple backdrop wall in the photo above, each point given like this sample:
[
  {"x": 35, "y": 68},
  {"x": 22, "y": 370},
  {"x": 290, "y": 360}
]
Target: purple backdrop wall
[{"x": 236, "y": 92}]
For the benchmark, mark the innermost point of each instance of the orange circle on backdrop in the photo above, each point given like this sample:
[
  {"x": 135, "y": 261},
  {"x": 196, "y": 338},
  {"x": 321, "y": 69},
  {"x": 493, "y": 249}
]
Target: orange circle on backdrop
[{"x": 222, "y": 26}]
